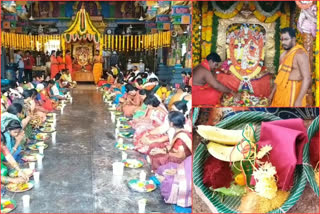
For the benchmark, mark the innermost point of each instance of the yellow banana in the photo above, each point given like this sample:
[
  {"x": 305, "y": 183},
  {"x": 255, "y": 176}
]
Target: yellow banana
[
  {"x": 230, "y": 153},
  {"x": 218, "y": 135},
  {"x": 225, "y": 136}
]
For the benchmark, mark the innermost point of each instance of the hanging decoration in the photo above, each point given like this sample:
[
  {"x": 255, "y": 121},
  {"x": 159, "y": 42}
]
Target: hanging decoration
[
  {"x": 196, "y": 32},
  {"x": 267, "y": 12},
  {"x": 109, "y": 42},
  {"x": 225, "y": 9},
  {"x": 285, "y": 16}
]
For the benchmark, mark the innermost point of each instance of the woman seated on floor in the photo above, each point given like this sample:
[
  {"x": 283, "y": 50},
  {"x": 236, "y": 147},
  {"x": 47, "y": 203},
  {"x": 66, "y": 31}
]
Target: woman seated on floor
[
  {"x": 154, "y": 117},
  {"x": 176, "y": 182},
  {"x": 45, "y": 101},
  {"x": 180, "y": 145},
  {"x": 163, "y": 92},
  {"x": 119, "y": 91},
  {"x": 57, "y": 89},
  {"x": 13, "y": 135},
  {"x": 6, "y": 156},
  {"x": 31, "y": 107},
  {"x": 160, "y": 136},
  {"x": 134, "y": 101}
]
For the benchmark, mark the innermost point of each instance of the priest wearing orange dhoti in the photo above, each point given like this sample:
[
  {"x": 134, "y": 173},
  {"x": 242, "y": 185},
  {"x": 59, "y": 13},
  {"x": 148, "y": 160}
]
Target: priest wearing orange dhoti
[
  {"x": 62, "y": 65},
  {"x": 294, "y": 77},
  {"x": 97, "y": 67},
  {"x": 54, "y": 65},
  {"x": 69, "y": 63},
  {"x": 206, "y": 89}
]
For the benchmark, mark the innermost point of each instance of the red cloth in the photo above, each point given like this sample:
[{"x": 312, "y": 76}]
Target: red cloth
[
  {"x": 217, "y": 173},
  {"x": 102, "y": 82},
  {"x": 287, "y": 138},
  {"x": 205, "y": 95},
  {"x": 261, "y": 87},
  {"x": 314, "y": 150},
  {"x": 28, "y": 62}
]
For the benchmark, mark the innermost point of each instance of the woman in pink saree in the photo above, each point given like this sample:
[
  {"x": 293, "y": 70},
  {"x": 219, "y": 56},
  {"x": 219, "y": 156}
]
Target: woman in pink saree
[
  {"x": 176, "y": 185},
  {"x": 154, "y": 117},
  {"x": 179, "y": 147},
  {"x": 159, "y": 137}
]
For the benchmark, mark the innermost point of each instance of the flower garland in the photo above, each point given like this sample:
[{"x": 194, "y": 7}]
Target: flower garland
[
  {"x": 196, "y": 34},
  {"x": 232, "y": 11},
  {"x": 285, "y": 16},
  {"x": 263, "y": 16}
]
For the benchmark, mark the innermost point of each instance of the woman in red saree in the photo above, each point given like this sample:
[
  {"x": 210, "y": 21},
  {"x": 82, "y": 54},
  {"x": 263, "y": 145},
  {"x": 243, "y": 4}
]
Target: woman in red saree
[
  {"x": 45, "y": 102},
  {"x": 179, "y": 148},
  {"x": 54, "y": 65},
  {"x": 69, "y": 63},
  {"x": 155, "y": 116}
]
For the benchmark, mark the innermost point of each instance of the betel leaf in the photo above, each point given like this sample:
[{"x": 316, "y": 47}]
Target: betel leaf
[
  {"x": 248, "y": 170},
  {"x": 233, "y": 190}
]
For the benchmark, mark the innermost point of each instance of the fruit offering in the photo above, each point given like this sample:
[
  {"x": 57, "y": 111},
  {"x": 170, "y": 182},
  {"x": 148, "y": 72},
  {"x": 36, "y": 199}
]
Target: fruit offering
[
  {"x": 7, "y": 205},
  {"x": 142, "y": 186},
  {"x": 124, "y": 147},
  {"x": 132, "y": 163},
  {"x": 37, "y": 145},
  {"x": 19, "y": 187}
]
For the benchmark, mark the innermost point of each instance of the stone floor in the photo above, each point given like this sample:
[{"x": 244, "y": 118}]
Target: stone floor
[{"x": 77, "y": 170}]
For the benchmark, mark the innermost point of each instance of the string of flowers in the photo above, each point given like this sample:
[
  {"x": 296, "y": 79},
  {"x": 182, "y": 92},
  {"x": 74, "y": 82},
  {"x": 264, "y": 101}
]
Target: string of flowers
[
  {"x": 227, "y": 13},
  {"x": 196, "y": 32}
]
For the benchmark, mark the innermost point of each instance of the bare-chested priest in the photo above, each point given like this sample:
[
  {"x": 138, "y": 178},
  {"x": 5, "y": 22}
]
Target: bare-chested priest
[{"x": 206, "y": 89}]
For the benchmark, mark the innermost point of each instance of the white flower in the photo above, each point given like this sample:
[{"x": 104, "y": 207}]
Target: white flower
[
  {"x": 263, "y": 151},
  {"x": 266, "y": 170},
  {"x": 266, "y": 185}
]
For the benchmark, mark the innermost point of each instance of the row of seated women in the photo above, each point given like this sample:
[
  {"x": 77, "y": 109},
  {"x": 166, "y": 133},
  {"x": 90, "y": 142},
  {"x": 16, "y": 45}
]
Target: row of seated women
[
  {"x": 23, "y": 111},
  {"x": 162, "y": 124}
]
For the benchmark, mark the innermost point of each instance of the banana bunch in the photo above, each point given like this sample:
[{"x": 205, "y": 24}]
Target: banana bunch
[{"x": 229, "y": 145}]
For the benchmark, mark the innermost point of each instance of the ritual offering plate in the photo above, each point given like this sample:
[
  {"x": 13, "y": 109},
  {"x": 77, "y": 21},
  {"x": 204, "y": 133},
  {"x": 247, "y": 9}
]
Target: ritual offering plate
[
  {"x": 125, "y": 127},
  {"x": 112, "y": 108},
  {"x": 42, "y": 136},
  {"x": 14, "y": 173},
  {"x": 126, "y": 134},
  {"x": 118, "y": 113},
  {"x": 132, "y": 163},
  {"x": 124, "y": 147},
  {"x": 20, "y": 187},
  {"x": 123, "y": 119},
  {"x": 30, "y": 157},
  {"x": 7, "y": 205},
  {"x": 241, "y": 149},
  {"x": 50, "y": 120},
  {"x": 37, "y": 145},
  {"x": 142, "y": 186},
  {"x": 47, "y": 129}
]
